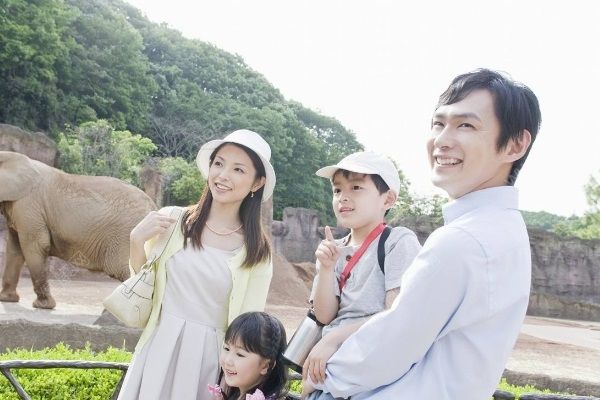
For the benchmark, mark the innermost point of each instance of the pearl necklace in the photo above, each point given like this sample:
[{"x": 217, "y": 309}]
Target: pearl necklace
[{"x": 223, "y": 233}]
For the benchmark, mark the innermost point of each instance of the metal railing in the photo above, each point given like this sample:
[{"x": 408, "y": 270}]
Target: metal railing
[{"x": 6, "y": 366}]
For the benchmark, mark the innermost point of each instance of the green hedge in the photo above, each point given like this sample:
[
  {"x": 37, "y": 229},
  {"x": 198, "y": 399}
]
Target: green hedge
[
  {"x": 296, "y": 387},
  {"x": 63, "y": 384},
  {"x": 97, "y": 384}
]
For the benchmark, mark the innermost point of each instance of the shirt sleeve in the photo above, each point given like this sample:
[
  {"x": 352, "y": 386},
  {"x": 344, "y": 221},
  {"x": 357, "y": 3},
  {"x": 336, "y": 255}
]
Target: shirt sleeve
[
  {"x": 400, "y": 253},
  {"x": 431, "y": 292}
]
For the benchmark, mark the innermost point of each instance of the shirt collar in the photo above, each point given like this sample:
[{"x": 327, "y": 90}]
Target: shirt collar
[{"x": 495, "y": 197}]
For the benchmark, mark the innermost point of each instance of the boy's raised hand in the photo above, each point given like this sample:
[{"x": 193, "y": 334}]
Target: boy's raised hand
[{"x": 328, "y": 252}]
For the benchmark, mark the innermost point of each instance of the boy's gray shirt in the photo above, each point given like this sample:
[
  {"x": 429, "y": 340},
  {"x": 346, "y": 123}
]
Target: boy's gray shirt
[{"x": 364, "y": 293}]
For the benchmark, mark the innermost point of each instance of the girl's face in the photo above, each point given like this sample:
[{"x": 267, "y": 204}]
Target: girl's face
[
  {"x": 231, "y": 176},
  {"x": 242, "y": 368}
]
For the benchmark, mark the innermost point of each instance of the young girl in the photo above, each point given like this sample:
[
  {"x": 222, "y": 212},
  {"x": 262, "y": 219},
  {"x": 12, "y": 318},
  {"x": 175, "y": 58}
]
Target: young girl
[
  {"x": 251, "y": 360},
  {"x": 205, "y": 277}
]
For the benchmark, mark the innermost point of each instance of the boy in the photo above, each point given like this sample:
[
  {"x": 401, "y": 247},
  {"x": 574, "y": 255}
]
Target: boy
[
  {"x": 350, "y": 285},
  {"x": 463, "y": 299}
]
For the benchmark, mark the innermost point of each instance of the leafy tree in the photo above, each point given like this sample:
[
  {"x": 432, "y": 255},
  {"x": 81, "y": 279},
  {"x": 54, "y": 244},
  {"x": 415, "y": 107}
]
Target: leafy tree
[
  {"x": 588, "y": 226},
  {"x": 338, "y": 141},
  {"x": 67, "y": 62},
  {"x": 33, "y": 40},
  {"x": 108, "y": 75},
  {"x": 95, "y": 148},
  {"x": 182, "y": 181},
  {"x": 414, "y": 207},
  {"x": 542, "y": 219}
]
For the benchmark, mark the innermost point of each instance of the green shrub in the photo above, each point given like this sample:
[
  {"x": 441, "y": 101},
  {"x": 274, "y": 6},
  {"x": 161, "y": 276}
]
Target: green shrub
[
  {"x": 99, "y": 384},
  {"x": 182, "y": 180},
  {"x": 296, "y": 387},
  {"x": 62, "y": 384},
  {"x": 519, "y": 390}
]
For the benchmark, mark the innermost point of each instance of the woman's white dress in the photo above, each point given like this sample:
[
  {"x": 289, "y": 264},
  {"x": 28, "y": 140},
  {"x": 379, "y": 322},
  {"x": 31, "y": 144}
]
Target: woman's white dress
[{"x": 182, "y": 356}]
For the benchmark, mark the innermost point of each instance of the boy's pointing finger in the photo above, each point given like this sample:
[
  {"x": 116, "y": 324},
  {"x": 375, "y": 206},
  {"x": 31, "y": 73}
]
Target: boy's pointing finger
[{"x": 328, "y": 234}]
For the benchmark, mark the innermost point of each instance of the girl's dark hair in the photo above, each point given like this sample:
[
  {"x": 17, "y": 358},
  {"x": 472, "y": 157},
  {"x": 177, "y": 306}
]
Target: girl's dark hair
[
  {"x": 263, "y": 334},
  {"x": 257, "y": 244}
]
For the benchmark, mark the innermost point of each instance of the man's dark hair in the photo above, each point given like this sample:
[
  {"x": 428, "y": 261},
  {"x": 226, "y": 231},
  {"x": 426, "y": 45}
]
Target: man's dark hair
[{"x": 515, "y": 105}]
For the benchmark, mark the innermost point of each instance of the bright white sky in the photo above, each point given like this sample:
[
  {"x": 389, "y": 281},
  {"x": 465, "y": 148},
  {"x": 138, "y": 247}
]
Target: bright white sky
[{"x": 378, "y": 66}]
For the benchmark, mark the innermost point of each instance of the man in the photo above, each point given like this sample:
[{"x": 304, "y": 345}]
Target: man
[{"x": 462, "y": 301}]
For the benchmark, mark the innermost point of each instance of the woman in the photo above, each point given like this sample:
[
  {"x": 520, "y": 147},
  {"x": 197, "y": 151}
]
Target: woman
[{"x": 205, "y": 277}]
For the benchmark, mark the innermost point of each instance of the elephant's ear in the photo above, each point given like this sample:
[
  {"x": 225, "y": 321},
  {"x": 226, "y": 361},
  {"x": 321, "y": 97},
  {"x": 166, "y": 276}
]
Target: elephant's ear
[{"x": 17, "y": 176}]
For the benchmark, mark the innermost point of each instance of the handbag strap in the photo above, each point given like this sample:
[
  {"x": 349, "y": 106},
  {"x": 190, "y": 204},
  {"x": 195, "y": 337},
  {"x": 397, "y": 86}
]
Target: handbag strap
[{"x": 163, "y": 240}]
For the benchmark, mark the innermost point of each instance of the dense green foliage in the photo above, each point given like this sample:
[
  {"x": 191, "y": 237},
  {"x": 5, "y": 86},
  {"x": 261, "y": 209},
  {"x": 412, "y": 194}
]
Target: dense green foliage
[
  {"x": 95, "y": 148},
  {"x": 64, "y": 63},
  {"x": 588, "y": 226},
  {"x": 182, "y": 181},
  {"x": 585, "y": 227},
  {"x": 542, "y": 219},
  {"x": 520, "y": 390},
  {"x": 296, "y": 387},
  {"x": 99, "y": 384},
  {"x": 60, "y": 384}
]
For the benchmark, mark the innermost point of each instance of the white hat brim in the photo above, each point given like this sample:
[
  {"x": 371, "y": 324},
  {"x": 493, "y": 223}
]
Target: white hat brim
[{"x": 330, "y": 170}]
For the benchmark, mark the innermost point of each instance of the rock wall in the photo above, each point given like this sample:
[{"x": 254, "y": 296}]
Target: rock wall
[
  {"x": 565, "y": 271},
  {"x": 568, "y": 268},
  {"x": 36, "y": 145},
  {"x": 298, "y": 234},
  {"x": 151, "y": 180}
]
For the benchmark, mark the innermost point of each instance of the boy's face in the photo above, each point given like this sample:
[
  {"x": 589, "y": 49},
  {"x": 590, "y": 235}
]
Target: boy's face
[
  {"x": 462, "y": 147},
  {"x": 356, "y": 201}
]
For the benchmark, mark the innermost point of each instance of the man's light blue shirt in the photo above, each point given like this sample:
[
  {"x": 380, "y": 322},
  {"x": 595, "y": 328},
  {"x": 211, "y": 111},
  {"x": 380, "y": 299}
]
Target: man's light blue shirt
[{"x": 462, "y": 301}]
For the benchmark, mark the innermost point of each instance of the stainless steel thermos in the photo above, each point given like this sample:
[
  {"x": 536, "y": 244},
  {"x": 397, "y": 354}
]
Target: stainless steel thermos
[{"x": 302, "y": 342}]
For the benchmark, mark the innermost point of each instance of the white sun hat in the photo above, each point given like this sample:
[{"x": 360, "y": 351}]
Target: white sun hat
[
  {"x": 366, "y": 162},
  {"x": 249, "y": 139}
]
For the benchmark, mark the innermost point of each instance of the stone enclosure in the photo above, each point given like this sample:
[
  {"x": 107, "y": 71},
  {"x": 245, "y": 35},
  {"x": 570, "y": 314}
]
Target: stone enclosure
[{"x": 565, "y": 271}]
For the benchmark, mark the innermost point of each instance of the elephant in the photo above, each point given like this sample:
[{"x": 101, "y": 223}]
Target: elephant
[{"x": 85, "y": 220}]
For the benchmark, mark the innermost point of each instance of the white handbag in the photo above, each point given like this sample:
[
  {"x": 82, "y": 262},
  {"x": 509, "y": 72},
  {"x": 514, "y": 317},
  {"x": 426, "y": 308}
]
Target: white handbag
[{"x": 131, "y": 301}]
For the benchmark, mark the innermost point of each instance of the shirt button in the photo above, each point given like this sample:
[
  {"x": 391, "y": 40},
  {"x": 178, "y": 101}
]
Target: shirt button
[{"x": 348, "y": 257}]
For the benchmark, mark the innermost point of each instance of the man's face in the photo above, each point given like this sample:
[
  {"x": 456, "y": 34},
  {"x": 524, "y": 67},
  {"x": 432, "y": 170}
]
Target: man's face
[{"x": 462, "y": 147}]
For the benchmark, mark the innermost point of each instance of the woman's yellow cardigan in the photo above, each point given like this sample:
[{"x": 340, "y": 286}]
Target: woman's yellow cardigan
[{"x": 249, "y": 285}]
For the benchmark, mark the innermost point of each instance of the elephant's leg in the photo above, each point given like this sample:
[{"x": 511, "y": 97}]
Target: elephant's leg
[
  {"x": 36, "y": 254},
  {"x": 12, "y": 268}
]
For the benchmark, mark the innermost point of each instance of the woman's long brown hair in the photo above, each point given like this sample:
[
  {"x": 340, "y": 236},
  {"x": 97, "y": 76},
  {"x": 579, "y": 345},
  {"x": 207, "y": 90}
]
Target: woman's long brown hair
[{"x": 257, "y": 244}]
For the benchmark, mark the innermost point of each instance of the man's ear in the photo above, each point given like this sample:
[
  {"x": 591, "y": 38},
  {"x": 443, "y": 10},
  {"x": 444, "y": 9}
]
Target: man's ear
[
  {"x": 390, "y": 199},
  {"x": 516, "y": 148}
]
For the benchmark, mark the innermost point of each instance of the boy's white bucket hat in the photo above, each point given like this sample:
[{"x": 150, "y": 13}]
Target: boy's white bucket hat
[
  {"x": 366, "y": 162},
  {"x": 249, "y": 139}
]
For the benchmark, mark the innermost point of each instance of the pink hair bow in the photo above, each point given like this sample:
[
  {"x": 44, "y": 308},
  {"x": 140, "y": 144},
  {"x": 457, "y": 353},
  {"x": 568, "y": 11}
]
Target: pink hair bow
[{"x": 215, "y": 390}]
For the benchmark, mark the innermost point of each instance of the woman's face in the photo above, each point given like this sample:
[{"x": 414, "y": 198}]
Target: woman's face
[{"x": 232, "y": 175}]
